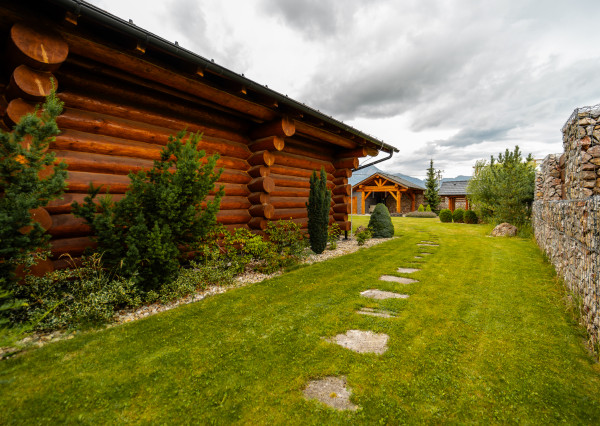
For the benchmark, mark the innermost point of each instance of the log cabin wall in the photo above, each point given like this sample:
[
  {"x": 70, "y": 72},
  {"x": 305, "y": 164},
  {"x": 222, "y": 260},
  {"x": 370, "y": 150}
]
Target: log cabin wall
[{"x": 124, "y": 99}]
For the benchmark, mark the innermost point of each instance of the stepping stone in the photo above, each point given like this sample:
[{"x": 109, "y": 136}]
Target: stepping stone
[
  {"x": 428, "y": 245},
  {"x": 407, "y": 270},
  {"x": 400, "y": 280},
  {"x": 381, "y": 295},
  {"x": 362, "y": 341},
  {"x": 418, "y": 257},
  {"x": 372, "y": 312},
  {"x": 331, "y": 391},
  {"x": 428, "y": 242}
]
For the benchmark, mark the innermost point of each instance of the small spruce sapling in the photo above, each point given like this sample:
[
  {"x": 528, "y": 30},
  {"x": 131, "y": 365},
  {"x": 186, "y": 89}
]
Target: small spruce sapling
[
  {"x": 381, "y": 222},
  {"x": 319, "y": 203}
]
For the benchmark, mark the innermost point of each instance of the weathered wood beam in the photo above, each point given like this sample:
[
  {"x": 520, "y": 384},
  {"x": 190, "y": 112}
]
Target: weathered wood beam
[
  {"x": 293, "y": 160},
  {"x": 324, "y": 135},
  {"x": 283, "y": 127},
  {"x": 38, "y": 47},
  {"x": 27, "y": 83},
  {"x": 269, "y": 143}
]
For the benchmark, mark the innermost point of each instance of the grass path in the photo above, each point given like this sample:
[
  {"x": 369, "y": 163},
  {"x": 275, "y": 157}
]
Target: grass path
[{"x": 484, "y": 337}]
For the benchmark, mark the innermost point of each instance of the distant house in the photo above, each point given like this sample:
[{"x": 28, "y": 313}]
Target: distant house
[
  {"x": 400, "y": 195},
  {"x": 453, "y": 194}
]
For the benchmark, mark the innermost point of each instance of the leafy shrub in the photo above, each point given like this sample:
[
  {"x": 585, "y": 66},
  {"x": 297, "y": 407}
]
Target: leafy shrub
[
  {"x": 289, "y": 244},
  {"x": 428, "y": 208},
  {"x": 148, "y": 231},
  {"x": 22, "y": 157},
  {"x": 445, "y": 215},
  {"x": 380, "y": 222},
  {"x": 333, "y": 235},
  {"x": 458, "y": 215},
  {"x": 421, "y": 214},
  {"x": 319, "y": 203},
  {"x": 362, "y": 235},
  {"x": 470, "y": 216},
  {"x": 421, "y": 208},
  {"x": 79, "y": 297}
]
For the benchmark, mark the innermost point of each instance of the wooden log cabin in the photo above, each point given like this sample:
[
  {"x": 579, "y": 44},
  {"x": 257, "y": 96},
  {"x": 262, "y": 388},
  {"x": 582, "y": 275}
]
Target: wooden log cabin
[{"x": 126, "y": 90}]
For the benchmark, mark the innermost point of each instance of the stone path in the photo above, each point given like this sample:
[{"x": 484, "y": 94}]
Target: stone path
[
  {"x": 333, "y": 391},
  {"x": 382, "y": 295},
  {"x": 400, "y": 280}
]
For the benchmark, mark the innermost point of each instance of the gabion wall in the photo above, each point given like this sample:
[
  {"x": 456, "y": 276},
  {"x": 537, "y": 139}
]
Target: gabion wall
[{"x": 566, "y": 211}]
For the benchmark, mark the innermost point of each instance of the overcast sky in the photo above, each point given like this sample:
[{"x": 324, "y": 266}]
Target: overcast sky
[{"x": 455, "y": 81}]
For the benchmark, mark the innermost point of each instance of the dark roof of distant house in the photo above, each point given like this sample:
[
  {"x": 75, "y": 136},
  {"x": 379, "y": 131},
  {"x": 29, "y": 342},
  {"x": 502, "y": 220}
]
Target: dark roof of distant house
[
  {"x": 363, "y": 174},
  {"x": 454, "y": 187},
  {"x": 395, "y": 179}
]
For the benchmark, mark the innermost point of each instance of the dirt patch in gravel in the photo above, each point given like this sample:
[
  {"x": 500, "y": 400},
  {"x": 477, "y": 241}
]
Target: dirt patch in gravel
[
  {"x": 331, "y": 391},
  {"x": 362, "y": 341}
]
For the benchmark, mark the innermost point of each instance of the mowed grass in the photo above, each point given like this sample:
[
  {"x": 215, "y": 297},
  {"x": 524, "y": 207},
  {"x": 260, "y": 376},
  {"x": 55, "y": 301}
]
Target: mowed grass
[{"x": 485, "y": 337}]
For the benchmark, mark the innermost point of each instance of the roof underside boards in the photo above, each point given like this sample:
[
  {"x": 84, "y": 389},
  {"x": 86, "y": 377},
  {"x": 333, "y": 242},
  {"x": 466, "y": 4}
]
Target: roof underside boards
[
  {"x": 186, "y": 63},
  {"x": 395, "y": 179},
  {"x": 451, "y": 188}
]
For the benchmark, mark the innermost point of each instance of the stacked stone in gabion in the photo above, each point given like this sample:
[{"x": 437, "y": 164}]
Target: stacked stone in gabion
[
  {"x": 548, "y": 183},
  {"x": 581, "y": 141}
]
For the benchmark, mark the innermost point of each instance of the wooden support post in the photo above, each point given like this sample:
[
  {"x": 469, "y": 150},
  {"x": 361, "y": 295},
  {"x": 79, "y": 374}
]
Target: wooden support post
[{"x": 399, "y": 202}]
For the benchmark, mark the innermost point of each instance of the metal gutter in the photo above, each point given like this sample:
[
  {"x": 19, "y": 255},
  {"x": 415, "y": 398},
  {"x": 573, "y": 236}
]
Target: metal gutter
[{"x": 82, "y": 8}]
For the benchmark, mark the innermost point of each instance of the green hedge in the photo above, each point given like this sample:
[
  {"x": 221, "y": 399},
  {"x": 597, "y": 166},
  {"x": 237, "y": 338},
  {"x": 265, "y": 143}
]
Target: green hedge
[
  {"x": 470, "y": 217},
  {"x": 446, "y": 216},
  {"x": 458, "y": 215}
]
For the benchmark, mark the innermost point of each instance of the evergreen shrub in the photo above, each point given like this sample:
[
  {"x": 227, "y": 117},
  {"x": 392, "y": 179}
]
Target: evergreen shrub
[
  {"x": 147, "y": 233},
  {"x": 421, "y": 208},
  {"x": 318, "y": 206},
  {"x": 333, "y": 235},
  {"x": 445, "y": 215},
  {"x": 380, "y": 222},
  {"x": 470, "y": 217},
  {"x": 458, "y": 215},
  {"x": 362, "y": 235},
  {"x": 428, "y": 208}
]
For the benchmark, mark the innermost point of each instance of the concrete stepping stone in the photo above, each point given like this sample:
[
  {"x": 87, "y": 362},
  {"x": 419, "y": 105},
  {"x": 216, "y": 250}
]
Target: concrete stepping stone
[
  {"x": 428, "y": 242},
  {"x": 362, "y": 341},
  {"x": 400, "y": 280},
  {"x": 331, "y": 391},
  {"x": 407, "y": 270},
  {"x": 382, "y": 295},
  {"x": 376, "y": 313},
  {"x": 418, "y": 257},
  {"x": 428, "y": 245}
]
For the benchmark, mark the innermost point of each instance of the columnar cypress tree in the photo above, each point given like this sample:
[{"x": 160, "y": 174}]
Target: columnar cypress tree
[
  {"x": 431, "y": 184},
  {"x": 319, "y": 202}
]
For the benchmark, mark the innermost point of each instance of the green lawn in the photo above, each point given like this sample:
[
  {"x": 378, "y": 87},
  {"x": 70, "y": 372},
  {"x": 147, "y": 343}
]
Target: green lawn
[{"x": 485, "y": 337}]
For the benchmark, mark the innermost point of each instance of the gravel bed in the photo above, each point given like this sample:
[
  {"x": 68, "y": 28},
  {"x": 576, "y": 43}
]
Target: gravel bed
[{"x": 128, "y": 315}]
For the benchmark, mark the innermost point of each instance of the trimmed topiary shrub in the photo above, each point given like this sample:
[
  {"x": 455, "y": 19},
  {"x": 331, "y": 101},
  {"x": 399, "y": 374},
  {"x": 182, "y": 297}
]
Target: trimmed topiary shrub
[
  {"x": 428, "y": 208},
  {"x": 458, "y": 215},
  {"x": 319, "y": 203},
  {"x": 381, "y": 222},
  {"x": 446, "y": 216},
  {"x": 421, "y": 208},
  {"x": 470, "y": 217}
]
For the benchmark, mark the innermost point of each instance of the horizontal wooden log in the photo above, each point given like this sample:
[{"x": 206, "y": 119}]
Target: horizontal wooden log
[
  {"x": 39, "y": 215},
  {"x": 100, "y": 163},
  {"x": 361, "y": 151},
  {"x": 230, "y": 202},
  {"x": 287, "y": 214},
  {"x": 259, "y": 198},
  {"x": 113, "y": 84},
  {"x": 284, "y": 191},
  {"x": 258, "y": 223},
  {"x": 72, "y": 246},
  {"x": 27, "y": 83},
  {"x": 67, "y": 225},
  {"x": 301, "y": 221},
  {"x": 292, "y": 146},
  {"x": 345, "y": 226},
  {"x": 258, "y": 171},
  {"x": 346, "y": 163},
  {"x": 293, "y": 160},
  {"x": 147, "y": 70},
  {"x": 40, "y": 268},
  {"x": 291, "y": 181},
  {"x": 282, "y": 127},
  {"x": 67, "y": 262},
  {"x": 63, "y": 205},
  {"x": 347, "y": 173},
  {"x": 261, "y": 184},
  {"x": 342, "y": 190},
  {"x": 73, "y": 140},
  {"x": 323, "y": 135},
  {"x": 340, "y": 217},
  {"x": 231, "y": 189},
  {"x": 342, "y": 208},
  {"x": 36, "y": 46},
  {"x": 138, "y": 114},
  {"x": 270, "y": 143},
  {"x": 262, "y": 210},
  {"x": 228, "y": 217},
  {"x": 289, "y": 202},
  {"x": 340, "y": 199},
  {"x": 340, "y": 181},
  {"x": 261, "y": 158},
  {"x": 80, "y": 182},
  {"x": 294, "y": 171}
]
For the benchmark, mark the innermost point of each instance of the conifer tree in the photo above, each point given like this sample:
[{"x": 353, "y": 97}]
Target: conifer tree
[
  {"x": 431, "y": 187},
  {"x": 23, "y": 158},
  {"x": 319, "y": 202}
]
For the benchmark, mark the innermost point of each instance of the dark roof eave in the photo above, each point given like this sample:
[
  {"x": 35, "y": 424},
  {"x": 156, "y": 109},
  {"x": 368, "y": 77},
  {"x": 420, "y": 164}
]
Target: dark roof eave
[{"x": 82, "y": 8}]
